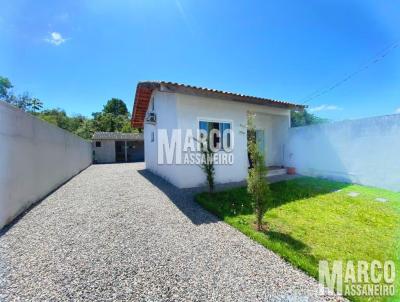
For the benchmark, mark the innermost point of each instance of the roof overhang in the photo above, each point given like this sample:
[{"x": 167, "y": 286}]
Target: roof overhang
[{"x": 144, "y": 91}]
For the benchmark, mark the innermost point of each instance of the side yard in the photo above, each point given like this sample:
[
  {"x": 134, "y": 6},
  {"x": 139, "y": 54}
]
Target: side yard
[{"x": 314, "y": 219}]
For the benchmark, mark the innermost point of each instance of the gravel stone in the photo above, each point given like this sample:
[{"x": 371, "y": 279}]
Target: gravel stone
[{"x": 118, "y": 232}]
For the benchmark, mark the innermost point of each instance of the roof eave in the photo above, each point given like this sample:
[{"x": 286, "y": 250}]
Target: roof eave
[{"x": 146, "y": 88}]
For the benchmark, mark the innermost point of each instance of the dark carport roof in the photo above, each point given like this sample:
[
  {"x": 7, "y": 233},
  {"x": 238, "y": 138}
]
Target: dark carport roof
[{"x": 117, "y": 136}]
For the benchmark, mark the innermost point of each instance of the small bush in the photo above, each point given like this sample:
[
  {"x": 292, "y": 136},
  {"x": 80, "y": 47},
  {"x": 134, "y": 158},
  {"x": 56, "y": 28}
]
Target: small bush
[{"x": 257, "y": 185}]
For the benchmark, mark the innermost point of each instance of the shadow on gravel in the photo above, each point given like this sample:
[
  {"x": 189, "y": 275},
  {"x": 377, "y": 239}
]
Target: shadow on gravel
[{"x": 183, "y": 199}]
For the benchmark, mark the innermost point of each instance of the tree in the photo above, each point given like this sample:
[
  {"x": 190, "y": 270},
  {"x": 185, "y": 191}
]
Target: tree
[
  {"x": 257, "y": 185},
  {"x": 86, "y": 129},
  {"x": 207, "y": 164},
  {"x": 304, "y": 118},
  {"x": 116, "y": 107},
  {"x": 34, "y": 104},
  {"x": 5, "y": 86},
  {"x": 22, "y": 101},
  {"x": 57, "y": 117},
  {"x": 113, "y": 118}
]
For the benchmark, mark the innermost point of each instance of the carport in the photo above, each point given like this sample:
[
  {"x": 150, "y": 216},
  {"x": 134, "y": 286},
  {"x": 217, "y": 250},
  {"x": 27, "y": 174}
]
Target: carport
[{"x": 110, "y": 147}]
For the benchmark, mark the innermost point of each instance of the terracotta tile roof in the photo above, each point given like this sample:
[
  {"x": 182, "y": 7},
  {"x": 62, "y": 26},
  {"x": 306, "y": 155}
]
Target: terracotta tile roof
[
  {"x": 145, "y": 89},
  {"x": 117, "y": 136}
]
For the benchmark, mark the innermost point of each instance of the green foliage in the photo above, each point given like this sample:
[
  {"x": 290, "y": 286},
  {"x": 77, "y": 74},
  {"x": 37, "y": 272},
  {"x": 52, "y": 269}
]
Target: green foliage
[
  {"x": 111, "y": 123},
  {"x": 34, "y": 104},
  {"x": 304, "y": 118},
  {"x": 5, "y": 86},
  {"x": 208, "y": 165},
  {"x": 116, "y": 107},
  {"x": 85, "y": 127},
  {"x": 23, "y": 101},
  {"x": 312, "y": 219},
  {"x": 257, "y": 185}
]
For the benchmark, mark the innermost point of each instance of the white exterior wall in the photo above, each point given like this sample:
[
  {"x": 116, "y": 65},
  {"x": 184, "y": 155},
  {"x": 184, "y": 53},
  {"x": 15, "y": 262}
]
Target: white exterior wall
[
  {"x": 179, "y": 111},
  {"x": 364, "y": 151},
  {"x": 275, "y": 135},
  {"x": 35, "y": 158},
  {"x": 105, "y": 153},
  {"x": 165, "y": 106}
]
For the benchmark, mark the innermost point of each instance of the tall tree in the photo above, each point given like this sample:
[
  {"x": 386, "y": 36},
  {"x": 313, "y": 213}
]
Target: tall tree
[
  {"x": 116, "y": 107},
  {"x": 5, "y": 86},
  {"x": 34, "y": 104},
  {"x": 304, "y": 118}
]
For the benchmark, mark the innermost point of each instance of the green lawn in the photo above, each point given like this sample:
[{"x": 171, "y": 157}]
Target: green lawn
[{"x": 311, "y": 220}]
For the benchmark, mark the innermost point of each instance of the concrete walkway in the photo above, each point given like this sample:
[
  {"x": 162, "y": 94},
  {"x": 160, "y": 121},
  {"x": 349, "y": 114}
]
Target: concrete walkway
[{"x": 117, "y": 232}]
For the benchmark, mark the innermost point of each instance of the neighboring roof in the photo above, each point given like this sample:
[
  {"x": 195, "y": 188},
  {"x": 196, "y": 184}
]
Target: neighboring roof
[
  {"x": 145, "y": 89},
  {"x": 117, "y": 136}
]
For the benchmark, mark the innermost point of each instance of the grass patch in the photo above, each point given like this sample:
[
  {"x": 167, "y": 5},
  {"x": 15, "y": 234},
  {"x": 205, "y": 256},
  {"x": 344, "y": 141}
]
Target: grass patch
[{"x": 314, "y": 219}]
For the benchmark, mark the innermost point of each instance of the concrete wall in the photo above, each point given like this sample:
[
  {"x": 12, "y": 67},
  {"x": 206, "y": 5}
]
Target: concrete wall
[
  {"x": 35, "y": 158},
  {"x": 179, "y": 111},
  {"x": 364, "y": 151}
]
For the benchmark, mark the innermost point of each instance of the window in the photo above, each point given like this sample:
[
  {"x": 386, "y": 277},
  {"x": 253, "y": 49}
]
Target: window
[
  {"x": 98, "y": 144},
  {"x": 152, "y": 103},
  {"x": 218, "y": 135},
  {"x": 152, "y": 136}
]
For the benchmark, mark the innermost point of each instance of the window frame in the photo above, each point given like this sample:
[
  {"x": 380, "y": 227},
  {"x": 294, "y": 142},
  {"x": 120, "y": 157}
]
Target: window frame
[{"x": 219, "y": 121}]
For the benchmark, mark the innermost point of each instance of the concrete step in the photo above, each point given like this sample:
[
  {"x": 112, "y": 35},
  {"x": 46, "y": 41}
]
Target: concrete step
[{"x": 276, "y": 171}]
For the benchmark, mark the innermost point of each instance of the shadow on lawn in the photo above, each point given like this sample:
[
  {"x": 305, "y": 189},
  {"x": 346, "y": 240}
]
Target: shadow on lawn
[
  {"x": 236, "y": 201},
  {"x": 302, "y": 188},
  {"x": 182, "y": 198},
  {"x": 293, "y": 247},
  {"x": 288, "y": 240}
]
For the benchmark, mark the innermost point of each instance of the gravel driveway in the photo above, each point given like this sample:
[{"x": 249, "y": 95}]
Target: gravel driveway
[{"x": 117, "y": 232}]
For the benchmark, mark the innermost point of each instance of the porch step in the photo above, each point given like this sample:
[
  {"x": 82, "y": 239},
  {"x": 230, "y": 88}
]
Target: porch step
[{"x": 276, "y": 171}]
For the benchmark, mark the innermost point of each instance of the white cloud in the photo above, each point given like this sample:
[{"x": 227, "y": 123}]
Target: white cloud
[
  {"x": 324, "y": 108},
  {"x": 55, "y": 39},
  {"x": 397, "y": 110}
]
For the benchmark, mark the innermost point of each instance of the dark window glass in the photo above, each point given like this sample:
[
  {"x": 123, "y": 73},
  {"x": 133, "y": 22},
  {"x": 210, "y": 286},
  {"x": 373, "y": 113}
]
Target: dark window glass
[
  {"x": 98, "y": 144},
  {"x": 208, "y": 126}
]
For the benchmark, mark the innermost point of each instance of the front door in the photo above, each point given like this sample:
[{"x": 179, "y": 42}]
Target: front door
[
  {"x": 119, "y": 151},
  {"x": 260, "y": 141}
]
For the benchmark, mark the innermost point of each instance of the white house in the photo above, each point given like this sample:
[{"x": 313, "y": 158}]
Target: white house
[{"x": 163, "y": 106}]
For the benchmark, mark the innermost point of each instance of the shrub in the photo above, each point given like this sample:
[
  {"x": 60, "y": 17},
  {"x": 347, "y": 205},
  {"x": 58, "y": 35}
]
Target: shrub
[
  {"x": 257, "y": 185},
  {"x": 207, "y": 165}
]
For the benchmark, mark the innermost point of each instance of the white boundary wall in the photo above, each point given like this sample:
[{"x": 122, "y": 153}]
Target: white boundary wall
[
  {"x": 35, "y": 158},
  {"x": 364, "y": 151}
]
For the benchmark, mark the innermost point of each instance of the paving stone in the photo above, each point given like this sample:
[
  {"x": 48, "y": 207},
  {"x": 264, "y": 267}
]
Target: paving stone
[{"x": 353, "y": 194}]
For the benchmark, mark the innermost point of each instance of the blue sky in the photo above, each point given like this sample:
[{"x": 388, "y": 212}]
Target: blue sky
[{"x": 77, "y": 54}]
